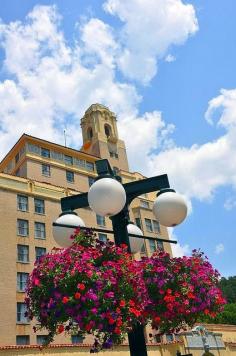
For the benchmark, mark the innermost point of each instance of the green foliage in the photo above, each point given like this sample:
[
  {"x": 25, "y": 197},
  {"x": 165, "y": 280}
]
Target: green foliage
[
  {"x": 228, "y": 316},
  {"x": 228, "y": 287}
]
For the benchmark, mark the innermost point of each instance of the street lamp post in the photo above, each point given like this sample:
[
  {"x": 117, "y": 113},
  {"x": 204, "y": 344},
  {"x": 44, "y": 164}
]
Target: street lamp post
[{"x": 171, "y": 210}]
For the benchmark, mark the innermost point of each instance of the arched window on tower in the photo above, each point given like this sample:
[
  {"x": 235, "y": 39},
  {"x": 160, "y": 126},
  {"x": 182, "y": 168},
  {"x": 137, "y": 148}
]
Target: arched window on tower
[
  {"x": 90, "y": 133},
  {"x": 107, "y": 129}
]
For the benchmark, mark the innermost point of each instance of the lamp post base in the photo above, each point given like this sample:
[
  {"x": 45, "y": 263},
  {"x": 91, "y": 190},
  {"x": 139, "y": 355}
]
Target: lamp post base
[{"x": 137, "y": 342}]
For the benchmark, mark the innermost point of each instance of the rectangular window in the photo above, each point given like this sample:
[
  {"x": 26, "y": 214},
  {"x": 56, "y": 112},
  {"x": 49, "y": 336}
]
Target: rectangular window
[
  {"x": 138, "y": 222},
  {"x": 143, "y": 249},
  {"x": 39, "y": 207},
  {"x": 22, "y": 281},
  {"x": 45, "y": 152},
  {"x": 41, "y": 339},
  {"x": 102, "y": 237},
  {"x": 22, "y": 202},
  {"x": 22, "y": 227},
  {"x": 148, "y": 223},
  {"x": 169, "y": 337},
  {"x": 68, "y": 160},
  {"x": 22, "y": 340},
  {"x": 157, "y": 338},
  {"x": 160, "y": 245},
  {"x": 21, "y": 310},
  {"x": 90, "y": 166},
  {"x": 91, "y": 180},
  {"x": 39, "y": 251},
  {"x": 144, "y": 204},
  {"x": 46, "y": 171},
  {"x": 17, "y": 156},
  {"x": 156, "y": 226},
  {"x": 70, "y": 176},
  {"x": 23, "y": 253},
  {"x": 77, "y": 339},
  {"x": 39, "y": 230},
  {"x": 101, "y": 220},
  {"x": 152, "y": 246}
]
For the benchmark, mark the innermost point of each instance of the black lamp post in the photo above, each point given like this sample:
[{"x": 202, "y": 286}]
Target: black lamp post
[{"x": 120, "y": 222}]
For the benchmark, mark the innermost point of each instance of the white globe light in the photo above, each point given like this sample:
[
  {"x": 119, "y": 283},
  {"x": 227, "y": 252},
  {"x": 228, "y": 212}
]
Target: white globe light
[
  {"x": 62, "y": 234},
  {"x": 106, "y": 197},
  {"x": 135, "y": 243},
  {"x": 170, "y": 208}
]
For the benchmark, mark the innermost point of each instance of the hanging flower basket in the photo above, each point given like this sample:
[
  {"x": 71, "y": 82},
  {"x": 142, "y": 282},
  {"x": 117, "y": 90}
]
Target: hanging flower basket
[
  {"x": 180, "y": 290},
  {"x": 98, "y": 288},
  {"x": 90, "y": 287}
]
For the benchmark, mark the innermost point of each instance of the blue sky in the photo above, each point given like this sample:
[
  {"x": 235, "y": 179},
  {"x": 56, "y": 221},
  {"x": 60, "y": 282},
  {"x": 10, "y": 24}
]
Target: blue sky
[{"x": 166, "y": 67}]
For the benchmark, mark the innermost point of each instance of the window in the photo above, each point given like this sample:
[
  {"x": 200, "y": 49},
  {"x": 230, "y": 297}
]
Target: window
[
  {"x": 39, "y": 207},
  {"x": 144, "y": 204},
  {"x": 90, "y": 166},
  {"x": 23, "y": 253},
  {"x": 22, "y": 202},
  {"x": 21, "y": 310},
  {"x": 21, "y": 281},
  {"x": 46, "y": 171},
  {"x": 101, "y": 220},
  {"x": 77, "y": 339},
  {"x": 116, "y": 170},
  {"x": 152, "y": 246},
  {"x": 90, "y": 133},
  {"x": 148, "y": 223},
  {"x": 91, "y": 180},
  {"x": 138, "y": 222},
  {"x": 22, "y": 340},
  {"x": 45, "y": 152},
  {"x": 156, "y": 226},
  {"x": 169, "y": 337},
  {"x": 70, "y": 176},
  {"x": 143, "y": 249},
  {"x": 157, "y": 338},
  {"x": 102, "y": 237},
  {"x": 160, "y": 245},
  {"x": 68, "y": 160},
  {"x": 41, "y": 339},
  {"x": 39, "y": 251},
  {"x": 17, "y": 156},
  {"x": 22, "y": 227},
  {"x": 107, "y": 129},
  {"x": 39, "y": 230}
]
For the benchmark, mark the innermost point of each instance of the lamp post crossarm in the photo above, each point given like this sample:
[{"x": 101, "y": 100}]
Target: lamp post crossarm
[
  {"x": 132, "y": 189},
  {"x": 148, "y": 185},
  {"x": 112, "y": 232}
]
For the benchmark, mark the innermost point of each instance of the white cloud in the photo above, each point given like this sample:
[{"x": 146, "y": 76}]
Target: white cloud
[
  {"x": 48, "y": 80},
  {"x": 230, "y": 203},
  {"x": 170, "y": 58},
  {"x": 149, "y": 28},
  {"x": 219, "y": 248},
  {"x": 178, "y": 250},
  {"x": 198, "y": 171}
]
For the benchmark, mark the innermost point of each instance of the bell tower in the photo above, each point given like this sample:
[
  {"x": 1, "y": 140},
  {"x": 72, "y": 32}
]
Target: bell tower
[{"x": 100, "y": 136}]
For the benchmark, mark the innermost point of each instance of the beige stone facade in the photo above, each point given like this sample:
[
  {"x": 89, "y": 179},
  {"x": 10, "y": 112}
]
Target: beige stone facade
[{"x": 34, "y": 176}]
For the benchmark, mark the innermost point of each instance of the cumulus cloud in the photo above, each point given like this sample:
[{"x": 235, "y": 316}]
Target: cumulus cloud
[
  {"x": 178, "y": 250},
  {"x": 219, "y": 248},
  {"x": 199, "y": 170},
  {"x": 148, "y": 29}
]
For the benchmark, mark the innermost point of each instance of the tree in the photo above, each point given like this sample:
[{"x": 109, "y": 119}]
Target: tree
[{"x": 228, "y": 287}]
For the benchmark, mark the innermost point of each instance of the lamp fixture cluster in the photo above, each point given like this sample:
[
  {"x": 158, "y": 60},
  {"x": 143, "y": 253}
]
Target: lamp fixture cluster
[{"x": 107, "y": 197}]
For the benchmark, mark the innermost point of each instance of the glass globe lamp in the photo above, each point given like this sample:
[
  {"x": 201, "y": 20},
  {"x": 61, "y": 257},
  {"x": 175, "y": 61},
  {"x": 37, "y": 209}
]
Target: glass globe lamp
[
  {"x": 136, "y": 243},
  {"x": 106, "y": 197},
  {"x": 62, "y": 234},
  {"x": 170, "y": 208}
]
